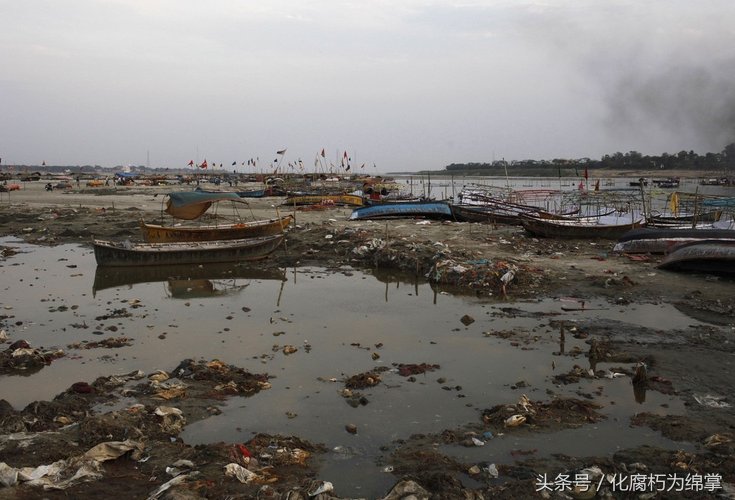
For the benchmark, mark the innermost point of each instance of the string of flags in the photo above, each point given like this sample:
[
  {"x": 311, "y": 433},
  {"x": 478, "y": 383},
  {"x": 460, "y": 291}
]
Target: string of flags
[{"x": 345, "y": 163}]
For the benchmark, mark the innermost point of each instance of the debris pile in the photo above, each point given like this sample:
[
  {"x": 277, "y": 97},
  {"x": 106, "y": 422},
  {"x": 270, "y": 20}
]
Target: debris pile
[
  {"x": 21, "y": 357},
  {"x": 564, "y": 412}
]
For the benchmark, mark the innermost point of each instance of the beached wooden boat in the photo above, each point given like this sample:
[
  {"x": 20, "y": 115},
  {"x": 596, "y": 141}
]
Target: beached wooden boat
[
  {"x": 658, "y": 240},
  {"x": 154, "y": 233},
  {"x": 125, "y": 253},
  {"x": 190, "y": 205},
  {"x": 486, "y": 214},
  {"x": 555, "y": 228},
  {"x": 669, "y": 220},
  {"x": 324, "y": 199},
  {"x": 707, "y": 256},
  {"x": 252, "y": 193},
  {"x": 500, "y": 212},
  {"x": 413, "y": 210}
]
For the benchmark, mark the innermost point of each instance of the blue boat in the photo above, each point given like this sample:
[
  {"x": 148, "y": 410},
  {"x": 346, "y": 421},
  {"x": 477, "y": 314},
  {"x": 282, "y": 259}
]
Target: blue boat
[
  {"x": 404, "y": 210},
  {"x": 255, "y": 193}
]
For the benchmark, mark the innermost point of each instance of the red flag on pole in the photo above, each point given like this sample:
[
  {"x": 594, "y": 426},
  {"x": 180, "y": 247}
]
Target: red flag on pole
[
  {"x": 191, "y": 163},
  {"x": 204, "y": 164}
]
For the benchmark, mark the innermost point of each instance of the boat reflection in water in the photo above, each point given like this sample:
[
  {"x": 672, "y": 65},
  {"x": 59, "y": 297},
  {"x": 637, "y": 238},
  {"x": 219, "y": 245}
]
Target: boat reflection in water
[{"x": 186, "y": 281}]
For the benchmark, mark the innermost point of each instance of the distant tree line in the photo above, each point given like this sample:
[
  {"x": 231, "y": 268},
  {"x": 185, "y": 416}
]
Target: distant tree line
[{"x": 632, "y": 160}]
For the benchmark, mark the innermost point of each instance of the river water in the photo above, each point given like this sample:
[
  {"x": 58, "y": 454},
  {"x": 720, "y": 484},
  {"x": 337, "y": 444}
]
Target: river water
[{"x": 337, "y": 320}]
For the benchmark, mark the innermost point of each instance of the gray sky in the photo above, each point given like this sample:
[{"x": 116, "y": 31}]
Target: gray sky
[{"x": 403, "y": 84}]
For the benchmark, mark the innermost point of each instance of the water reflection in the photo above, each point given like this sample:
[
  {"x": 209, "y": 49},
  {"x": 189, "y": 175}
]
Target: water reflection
[
  {"x": 186, "y": 281},
  {"x": 395, "y": 279}
]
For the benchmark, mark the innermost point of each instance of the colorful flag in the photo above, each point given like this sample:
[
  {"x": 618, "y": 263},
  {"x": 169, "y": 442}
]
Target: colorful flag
[
  {"x": 674, "y": 203},
  {"x": 345, "y": 154},
  {"x": 281, "y": 152},
  {"x": 191, "y": 163},
  {"x": 204, "y": 164}
]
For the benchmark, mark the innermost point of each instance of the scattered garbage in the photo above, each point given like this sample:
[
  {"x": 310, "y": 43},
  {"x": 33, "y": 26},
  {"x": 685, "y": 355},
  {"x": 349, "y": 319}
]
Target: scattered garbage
[
  {"x": 467, "y": 320},
  {"x": 514, "y": 421},
  {"x": 21, "y": 357},
  {"x": 319, "y": 487},
  {"x": 62, "y": 474},
  {"x": 711, "y": 401}
]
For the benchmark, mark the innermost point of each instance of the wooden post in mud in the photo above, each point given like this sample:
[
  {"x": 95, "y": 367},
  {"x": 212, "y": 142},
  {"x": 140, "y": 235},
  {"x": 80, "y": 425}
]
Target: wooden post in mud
[
  {"x": 696, "y": 210},
  {"x": 283, "y": 231}
]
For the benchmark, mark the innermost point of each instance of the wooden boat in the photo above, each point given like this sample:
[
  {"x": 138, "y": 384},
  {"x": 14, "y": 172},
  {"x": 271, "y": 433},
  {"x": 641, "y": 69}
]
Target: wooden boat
[
  {"x": 486, "y": 214},
  {"x": 190, "y": 205},
  {"x": 658, "y": 240},
  {"x": 555, "y": 228},
  {"x": 324, "y": 199},
  {"x": 126, "y": 254},
  {"x": 153, "y": 233},
  {"x": 253, "y": 193},
  {"x": 670, "y": 182},
  {"x": 381, "y": 201},
  {"x": 702, "y": 256},
  {"x": 106, "y": 277},
  {"x": 668, "y": 220},
  {"x": 424, "y": 210}
]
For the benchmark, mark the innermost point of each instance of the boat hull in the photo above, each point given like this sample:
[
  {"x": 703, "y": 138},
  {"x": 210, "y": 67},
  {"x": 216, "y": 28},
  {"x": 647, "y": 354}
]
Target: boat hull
[
  {"x": 487, "y": 215},
  {"x": 326, "y": 199},
  {"x": 127, "y": 254},
  {"x": 153, "y": 233},
  {"x": 550, "y": 228},
  {"x": 702, "y": 256},
  {"x": 661, "y": 240},
  {"x": 425, "y": 210}
]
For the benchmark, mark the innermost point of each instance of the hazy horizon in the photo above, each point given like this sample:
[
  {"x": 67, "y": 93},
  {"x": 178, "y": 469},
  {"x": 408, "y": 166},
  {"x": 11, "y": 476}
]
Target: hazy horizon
[{"x": 403, "y": 85}]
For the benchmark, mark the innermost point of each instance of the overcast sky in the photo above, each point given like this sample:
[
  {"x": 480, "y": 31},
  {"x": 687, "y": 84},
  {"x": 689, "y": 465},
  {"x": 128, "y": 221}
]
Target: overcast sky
[{"x": 402, "y": 84}]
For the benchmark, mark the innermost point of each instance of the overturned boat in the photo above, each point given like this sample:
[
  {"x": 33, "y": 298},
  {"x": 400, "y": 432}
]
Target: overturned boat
[
  {"x": 658, "y": 240},
  {"x": 410, "y": 210},
  {"x": 706, "y": 256}
]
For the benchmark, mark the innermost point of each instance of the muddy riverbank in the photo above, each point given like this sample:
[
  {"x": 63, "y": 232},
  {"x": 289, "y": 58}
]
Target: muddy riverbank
[{"x": 690, "y": 361}]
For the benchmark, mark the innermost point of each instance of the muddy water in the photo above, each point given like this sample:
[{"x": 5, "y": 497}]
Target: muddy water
[{"x": 338, "y": 320}]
